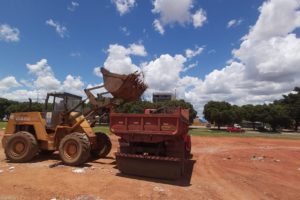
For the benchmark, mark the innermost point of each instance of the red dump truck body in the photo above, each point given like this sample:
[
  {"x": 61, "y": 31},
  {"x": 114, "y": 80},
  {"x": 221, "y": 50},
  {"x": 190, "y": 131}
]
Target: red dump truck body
[
  {"x": 149, "y": 127},
  {"x": 154, "y": 145}
]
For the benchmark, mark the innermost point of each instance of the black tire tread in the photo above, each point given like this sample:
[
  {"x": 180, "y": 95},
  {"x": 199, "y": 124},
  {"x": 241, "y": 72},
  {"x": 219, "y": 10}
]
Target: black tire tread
[
  {"x": 86, "y": 148},
  {"x": 102, "y": 140},
  {"x": 33, "y": 147}
]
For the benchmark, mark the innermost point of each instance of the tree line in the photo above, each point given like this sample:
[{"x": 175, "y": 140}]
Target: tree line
[
  {"x": 284, "y": 112},
  {"x": 7, "y": 107}
]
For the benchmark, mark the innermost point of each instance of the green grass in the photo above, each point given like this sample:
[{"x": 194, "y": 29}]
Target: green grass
[
  {"x": 204, "y": 132},
  {"x": 2, "y": 125},
  {"x": 215, "y": 133},
  {"x": 103, "y": 129}
]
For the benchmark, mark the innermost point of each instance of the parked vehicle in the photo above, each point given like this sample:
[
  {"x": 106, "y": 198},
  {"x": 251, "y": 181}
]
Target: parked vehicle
[{"x": 235, "y": 130}]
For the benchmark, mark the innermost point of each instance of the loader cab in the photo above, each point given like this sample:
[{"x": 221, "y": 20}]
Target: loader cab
[{"x": 58, "y": 103}]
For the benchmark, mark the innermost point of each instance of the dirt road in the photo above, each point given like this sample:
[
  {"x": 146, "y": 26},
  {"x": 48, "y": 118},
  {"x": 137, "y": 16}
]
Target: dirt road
[{"x": 225, "y": 168}]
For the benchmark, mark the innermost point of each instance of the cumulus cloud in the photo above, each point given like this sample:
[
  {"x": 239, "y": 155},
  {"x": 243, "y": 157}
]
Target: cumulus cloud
[
  {"x": 73, "y": 85},
  {"x": 60, "y": 29},
  {"x": 158, "y": 27},
  {"x": 163, "y": 72},
  {"x": 119, "y": 60},
  {"x": 234, "y": 23},
  {"x": 199, "y": 18},
  {"x": 171, "y": 12},
  {"x": 42, "y": 82},
  {"x": 124, "y": 6},
  {"x": 264, "y": 66},
  {"x": 73, "y": 6},
  {"x": 97, "y": 71},
  {"x": 9, "y": 34},
  {"x": 189, "y": 53},
  {"x": 8, "y": 83}
]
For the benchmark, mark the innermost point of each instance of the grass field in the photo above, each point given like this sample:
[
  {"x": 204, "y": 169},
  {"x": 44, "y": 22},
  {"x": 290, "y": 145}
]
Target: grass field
[
  {"x": 215, "y": 133},
  {"x": 203, "y": 132},
  {"x": 2, "y": 125}
]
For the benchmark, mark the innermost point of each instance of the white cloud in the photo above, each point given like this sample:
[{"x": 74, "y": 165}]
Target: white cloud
[
  {"x": 158, "y": 27},
  {"x": 284, "y": 16},
  {"x": 73, "y": 6},
  {"x": 97, "y": 71},
  {"x": 199, "y": 18},
  {"x": 45, "y": 76},
  {"x": 125, "y": 30},
  {"x": 137, "y": 49},
  {"x": 73, "y": 85},
  {"x": 173, "y": 11},
  {"x": 8, "y": 83},
  {"x": 190, "y": 66},
  {"x": 264, "y": 66},
  {"x": 46, "y": 81},
  {"x": 163, "y": 73},
  {"x": 41, "y": 68},
  {"x": 234, "y": 23},
  {"x": 119, "y": 60},
  {"x": 60, "y": 29},
  {"x": 179, "y": 11},
  {"x": 9, "y": 34},
  {"x": 189, "y": 53},
  {"x": 124, "y": 6}
]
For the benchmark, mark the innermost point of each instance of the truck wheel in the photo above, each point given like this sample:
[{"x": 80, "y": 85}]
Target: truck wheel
[
  {"x": 21, "y": 147},
  {"x": 103, "y": 146},
  {"x": 74, "y": 149}
]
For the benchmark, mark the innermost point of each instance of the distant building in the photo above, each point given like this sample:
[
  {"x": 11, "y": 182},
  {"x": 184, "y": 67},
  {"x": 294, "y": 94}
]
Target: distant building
[{"x": 162, "y": 96}]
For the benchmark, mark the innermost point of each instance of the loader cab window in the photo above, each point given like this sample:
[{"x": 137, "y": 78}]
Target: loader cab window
[
  {"x": 58, "y": 103},
  {"x": 72, "y": 102}
]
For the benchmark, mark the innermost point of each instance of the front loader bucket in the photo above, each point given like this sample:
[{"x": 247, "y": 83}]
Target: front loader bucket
[{"x": 127, "y": 87}]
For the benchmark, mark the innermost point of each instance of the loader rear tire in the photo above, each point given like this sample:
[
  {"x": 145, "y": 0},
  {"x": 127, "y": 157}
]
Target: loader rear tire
[
  {"x": 21, "y": 147},
  {"x": 103, "y": 146},
  {"x": 74, "y": 149}
]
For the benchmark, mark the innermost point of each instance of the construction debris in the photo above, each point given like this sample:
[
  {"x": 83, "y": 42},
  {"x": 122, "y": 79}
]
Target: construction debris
[
  {"x": 158, "y": 189},
  {"x": 78, "y": 170},
  {"x": 258, "y": 158}
]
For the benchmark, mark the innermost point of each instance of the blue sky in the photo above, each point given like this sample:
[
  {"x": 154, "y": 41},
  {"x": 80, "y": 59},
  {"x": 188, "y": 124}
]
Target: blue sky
[{"x": 75, "y": 37}]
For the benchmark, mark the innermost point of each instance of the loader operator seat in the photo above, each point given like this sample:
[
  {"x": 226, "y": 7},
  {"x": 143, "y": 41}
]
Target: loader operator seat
[
  {"x": 58, "y": 103},
  {"x": 53, "y": 118}
]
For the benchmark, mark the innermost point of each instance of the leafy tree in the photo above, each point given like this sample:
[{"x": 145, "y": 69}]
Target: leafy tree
[
  {"x": 4, "y": 103},
  {"x": 251, "y": 113},
  {"x": 220, "y": 113},
  {"x": 140, "y": 106},
  {"x": 292, "y": 104},
  {"x": 276, "y": 116}
]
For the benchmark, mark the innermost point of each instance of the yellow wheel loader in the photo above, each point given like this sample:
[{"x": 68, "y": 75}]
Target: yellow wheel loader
[{"x": 61, "y": 127}]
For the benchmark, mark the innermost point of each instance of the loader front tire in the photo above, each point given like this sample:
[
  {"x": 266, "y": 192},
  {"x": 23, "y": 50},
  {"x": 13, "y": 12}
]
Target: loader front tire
[
  {"x": 21, "y": 147},
  {"x": 103, "y": 146},
  {"x": 74, "y": 149}
]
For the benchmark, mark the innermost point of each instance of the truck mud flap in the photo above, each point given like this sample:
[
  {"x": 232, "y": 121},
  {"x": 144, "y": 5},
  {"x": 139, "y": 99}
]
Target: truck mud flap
[{"x": 150, "y": 166}]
